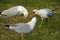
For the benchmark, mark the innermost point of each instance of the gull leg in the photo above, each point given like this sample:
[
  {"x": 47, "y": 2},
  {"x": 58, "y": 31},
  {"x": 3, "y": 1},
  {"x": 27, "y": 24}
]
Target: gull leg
[
  {"x": 41, "y": 22},
  {"x": 48, "y": 22},
  {"x": 22, "y": 35}
]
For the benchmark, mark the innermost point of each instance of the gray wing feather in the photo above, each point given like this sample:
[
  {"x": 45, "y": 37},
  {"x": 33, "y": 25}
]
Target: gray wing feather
[
  {"x": 50, "y": 12},
  {"x": 22, "y": 28}
]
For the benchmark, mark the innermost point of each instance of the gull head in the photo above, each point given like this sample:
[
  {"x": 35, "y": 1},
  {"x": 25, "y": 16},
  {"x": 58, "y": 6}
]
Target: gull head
[{"x": 35, "y": 11}]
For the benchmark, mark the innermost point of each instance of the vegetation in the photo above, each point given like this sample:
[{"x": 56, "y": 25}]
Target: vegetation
[{"x": 46, "y": 32}]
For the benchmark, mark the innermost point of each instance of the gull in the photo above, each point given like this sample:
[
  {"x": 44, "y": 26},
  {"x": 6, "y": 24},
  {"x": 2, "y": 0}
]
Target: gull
[
  {"x": 22, "y": 28},
  {"x": 14, "y": 11},
  {"x": 44, "y": 13}
]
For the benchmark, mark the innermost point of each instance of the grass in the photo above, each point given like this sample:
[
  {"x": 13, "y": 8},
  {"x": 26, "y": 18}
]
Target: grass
[{"x": 39, "y": 33}]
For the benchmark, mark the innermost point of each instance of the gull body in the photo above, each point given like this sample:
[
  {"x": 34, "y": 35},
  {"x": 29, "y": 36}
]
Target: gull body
[
  {"x": 17, "y": 10},
  {"x": 44, "y": 13},
  {"x": 22, "y": 27}
]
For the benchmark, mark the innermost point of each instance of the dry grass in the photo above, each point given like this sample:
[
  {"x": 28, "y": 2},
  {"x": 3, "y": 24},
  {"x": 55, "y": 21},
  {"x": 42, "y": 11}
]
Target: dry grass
[{"x": 39, "y": 33}]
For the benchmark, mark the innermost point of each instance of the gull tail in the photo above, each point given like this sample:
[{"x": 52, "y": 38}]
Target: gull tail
[
  {"x": 6, "y": 26},
  {"x": 54, "y": 9},
  {"x": 0, "y": 13}
]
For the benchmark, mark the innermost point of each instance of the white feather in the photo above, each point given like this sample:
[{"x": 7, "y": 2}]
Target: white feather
[
  {"x": 43, "y": 12},
  {"x": 24, "y": 27},
  {"x": 17, "y": 10}
]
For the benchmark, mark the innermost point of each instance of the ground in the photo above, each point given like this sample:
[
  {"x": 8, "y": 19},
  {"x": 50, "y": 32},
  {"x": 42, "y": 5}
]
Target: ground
[{"x": 46, "y": 32}]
